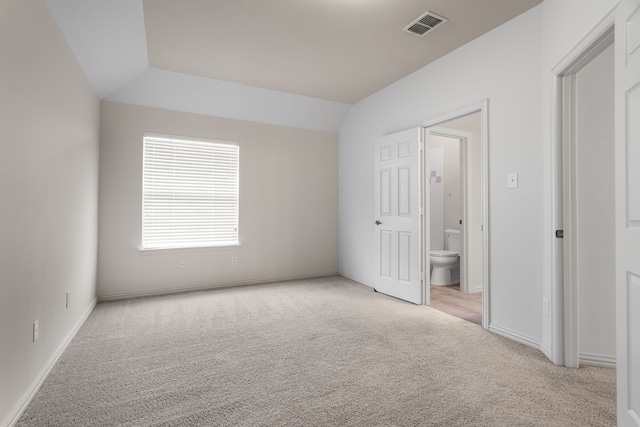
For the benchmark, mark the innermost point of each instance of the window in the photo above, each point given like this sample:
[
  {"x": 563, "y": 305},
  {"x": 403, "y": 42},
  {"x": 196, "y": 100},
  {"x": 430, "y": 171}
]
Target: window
[{"x": 189, "y": 192}]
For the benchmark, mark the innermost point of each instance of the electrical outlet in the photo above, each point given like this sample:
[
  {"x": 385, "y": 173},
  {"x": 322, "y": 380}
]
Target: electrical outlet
[
  {"x": 369, "y": 260},
  {"x": 234, "y": 260},
  {"x": 67, "y": 299},
  {"x": 545, "y": 307},
  {"x": 36, "y": 330},
  {"x": 182, "y": 264}
]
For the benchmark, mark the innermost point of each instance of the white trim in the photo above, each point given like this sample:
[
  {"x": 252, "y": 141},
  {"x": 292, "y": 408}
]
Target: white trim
[
  {"x": 516, "y": 336},
  {"x": 156, "y": 251},
  {"x": 31, "y": 392},
  {"x": 598, "y": 360},
  {"x": 167, "y": 291},
  {"x": 356, "y": 279},
  {"x": 169, "y": 137},
  {"x": 545, "y": 351}
]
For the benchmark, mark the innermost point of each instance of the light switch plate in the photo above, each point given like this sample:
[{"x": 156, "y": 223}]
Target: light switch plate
[{"x": 512, "y": 180}]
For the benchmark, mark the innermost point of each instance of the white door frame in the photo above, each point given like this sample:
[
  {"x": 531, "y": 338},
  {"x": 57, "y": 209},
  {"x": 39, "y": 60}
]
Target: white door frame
[
  {"x": 483, "y": 108},
  {"x": 564, "y": 287}
]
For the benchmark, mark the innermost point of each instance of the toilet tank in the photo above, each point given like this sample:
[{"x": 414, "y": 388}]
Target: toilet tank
[{"x": 452, "y": 240}]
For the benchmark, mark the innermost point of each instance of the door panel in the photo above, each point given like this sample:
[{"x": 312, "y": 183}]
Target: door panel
[
  {"x": 628, "y": 211},
  {"x": 633, "y": 155},
  {"x": 385, "y": 254},
  {"x": 397, "y": 257},
  {"x": 404, "y": 257}
]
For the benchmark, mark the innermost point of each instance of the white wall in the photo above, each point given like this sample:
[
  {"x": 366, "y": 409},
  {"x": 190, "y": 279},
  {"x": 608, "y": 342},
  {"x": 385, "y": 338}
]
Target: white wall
[
  {"x": 288, "y": 204},
  {"x": 596, "y": 259},
  {"x": 566, "y": 23},
  {"x": 503, "y": 67},
  {"x": 49, "y": 190}
]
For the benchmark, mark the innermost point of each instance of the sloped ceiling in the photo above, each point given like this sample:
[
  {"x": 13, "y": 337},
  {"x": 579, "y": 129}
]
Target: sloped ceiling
[{"x": 308, "y": 57}]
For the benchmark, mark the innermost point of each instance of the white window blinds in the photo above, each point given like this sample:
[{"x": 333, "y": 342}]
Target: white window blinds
[{"x": 190, "y": 193}]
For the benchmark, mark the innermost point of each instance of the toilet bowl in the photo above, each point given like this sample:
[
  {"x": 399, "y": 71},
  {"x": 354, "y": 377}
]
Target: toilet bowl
[
  {"x": 445, "y": 268},
  {"x": 442, "y": 263}
]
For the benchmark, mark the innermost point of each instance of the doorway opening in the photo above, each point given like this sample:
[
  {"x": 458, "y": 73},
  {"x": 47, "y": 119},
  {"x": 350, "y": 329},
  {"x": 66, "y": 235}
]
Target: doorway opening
[
  {"x": 585, "y": 206},
  {"x": 455, "y": 282},
  {"x": 456, "y": 195}
]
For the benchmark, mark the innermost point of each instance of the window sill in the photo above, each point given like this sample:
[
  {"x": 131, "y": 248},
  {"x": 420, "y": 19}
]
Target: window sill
[{"x": 154, "y": 251}]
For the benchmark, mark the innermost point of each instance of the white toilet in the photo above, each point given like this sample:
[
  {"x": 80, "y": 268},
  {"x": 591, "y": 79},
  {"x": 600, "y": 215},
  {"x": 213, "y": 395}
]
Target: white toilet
[{"x": 445, "y": 264}]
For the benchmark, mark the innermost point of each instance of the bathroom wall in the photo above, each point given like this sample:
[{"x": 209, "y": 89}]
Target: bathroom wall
[
  {"x": 451, "y": 178},
  {"x": 436, "y": 181}
]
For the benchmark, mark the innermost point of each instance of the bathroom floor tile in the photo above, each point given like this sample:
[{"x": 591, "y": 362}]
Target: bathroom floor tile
[{"x": 450, "y": 300}]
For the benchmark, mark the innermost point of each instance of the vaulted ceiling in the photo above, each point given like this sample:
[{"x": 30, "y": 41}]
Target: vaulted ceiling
[{"x": 336, "y": 52}]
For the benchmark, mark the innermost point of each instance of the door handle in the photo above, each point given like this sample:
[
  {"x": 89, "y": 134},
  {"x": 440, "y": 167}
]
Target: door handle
[{"x": 378, "y": 222}]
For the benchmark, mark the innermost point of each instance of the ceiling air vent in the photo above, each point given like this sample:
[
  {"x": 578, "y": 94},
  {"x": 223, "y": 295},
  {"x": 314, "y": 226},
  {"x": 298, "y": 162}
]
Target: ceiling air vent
[{"x": 426, "y": 22}]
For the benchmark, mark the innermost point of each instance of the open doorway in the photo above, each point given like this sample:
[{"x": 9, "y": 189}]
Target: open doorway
[
  {"x": 456, "y": 196},
  {"x": 585, "y": 204}
]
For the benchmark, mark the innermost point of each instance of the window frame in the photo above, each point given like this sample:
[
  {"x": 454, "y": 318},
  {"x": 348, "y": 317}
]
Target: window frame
[{"x": 148, "y": 246}]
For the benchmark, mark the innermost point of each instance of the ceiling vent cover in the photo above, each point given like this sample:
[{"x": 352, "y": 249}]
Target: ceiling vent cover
[{"x": 428, "y": 21}]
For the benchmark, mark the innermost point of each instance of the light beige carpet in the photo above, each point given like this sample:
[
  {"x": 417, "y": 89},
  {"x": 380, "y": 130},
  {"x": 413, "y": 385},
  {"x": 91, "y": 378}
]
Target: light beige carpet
[{"x": 318, "y": 352}]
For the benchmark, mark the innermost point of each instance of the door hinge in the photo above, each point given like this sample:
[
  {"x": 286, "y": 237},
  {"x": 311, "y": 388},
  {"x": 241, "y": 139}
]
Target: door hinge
[{"x": 560, "y": 234}]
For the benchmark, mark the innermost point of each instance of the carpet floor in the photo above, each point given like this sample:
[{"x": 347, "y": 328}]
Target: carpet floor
[{"x": 317, "y": 352}]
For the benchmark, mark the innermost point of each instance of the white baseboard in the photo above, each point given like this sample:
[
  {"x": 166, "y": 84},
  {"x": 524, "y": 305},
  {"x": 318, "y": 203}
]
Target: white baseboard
[
  {"x": 546, "y": 352},
  {"x": 28, "y": 396},
  {"x": 597, "y": 360},
  {"x": 167, "y": 291},
  {"x": 516, "y": 336},
  {"x": 476, "y": 288},
  {"x": 356, "y": 279}
]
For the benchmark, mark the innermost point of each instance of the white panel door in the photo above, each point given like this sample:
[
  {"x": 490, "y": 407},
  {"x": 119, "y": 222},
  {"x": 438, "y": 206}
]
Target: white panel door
[
  {"x": 628, "y": 210},
  {"x": 397, "y": 256}
]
